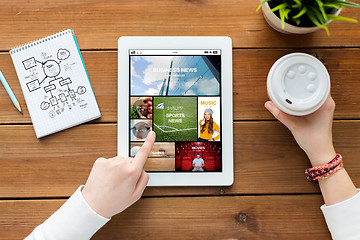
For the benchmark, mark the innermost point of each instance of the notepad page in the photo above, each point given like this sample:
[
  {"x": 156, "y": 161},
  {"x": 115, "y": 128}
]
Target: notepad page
[{"x": 55, "y": 83}]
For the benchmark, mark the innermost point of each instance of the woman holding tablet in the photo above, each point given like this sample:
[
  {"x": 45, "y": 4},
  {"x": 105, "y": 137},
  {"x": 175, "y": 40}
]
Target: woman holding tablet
[
  {"x": 115, "y": 184},
  {"x": 207, "y": 127}
]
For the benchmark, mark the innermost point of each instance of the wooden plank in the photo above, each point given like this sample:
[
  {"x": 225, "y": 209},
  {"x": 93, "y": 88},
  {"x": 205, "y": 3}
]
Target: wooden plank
[
  {"x": 267, "y": 160},
  {"x": 249, "y": 83},
  {"x": 268, "y": 217},
  {"x": 251, "y": 68},
  {"x": 99, "y": 24}
]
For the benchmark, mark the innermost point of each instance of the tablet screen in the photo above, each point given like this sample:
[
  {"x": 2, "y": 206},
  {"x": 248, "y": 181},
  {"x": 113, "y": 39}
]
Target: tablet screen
[{"x": 177, "y": 94}]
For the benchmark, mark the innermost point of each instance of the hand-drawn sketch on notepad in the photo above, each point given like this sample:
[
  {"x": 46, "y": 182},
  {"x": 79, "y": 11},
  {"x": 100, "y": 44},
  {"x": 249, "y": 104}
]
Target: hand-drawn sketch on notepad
[
  {"x": 58, "y": 89},
  {"x": 55, "y": 83}
]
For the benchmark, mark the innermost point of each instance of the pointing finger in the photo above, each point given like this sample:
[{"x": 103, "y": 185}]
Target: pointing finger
[{"x": 144, "y": 151}]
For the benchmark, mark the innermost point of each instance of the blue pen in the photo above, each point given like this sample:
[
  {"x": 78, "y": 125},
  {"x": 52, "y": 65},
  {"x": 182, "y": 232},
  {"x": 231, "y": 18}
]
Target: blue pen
[{"x": 10, "y": 92}]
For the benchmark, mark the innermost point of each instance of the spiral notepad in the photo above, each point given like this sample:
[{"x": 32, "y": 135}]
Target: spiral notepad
[{"x": 55, "y": 83}]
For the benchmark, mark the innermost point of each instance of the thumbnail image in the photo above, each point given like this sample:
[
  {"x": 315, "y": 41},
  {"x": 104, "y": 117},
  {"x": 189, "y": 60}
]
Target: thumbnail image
[
  {"x": 175, "y": 75},
  {"x": 198, "y": 156},
  {"x": 209, "y": 119},
  {"x": 139, "y": 129},
  {"x": 161, "y": 157},
  {"x": 141, "y": 107},
  {"x": 175, "y": 119}
]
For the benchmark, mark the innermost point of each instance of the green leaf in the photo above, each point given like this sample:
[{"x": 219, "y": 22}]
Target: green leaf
[
  {"x": 334, "y": 17},
  {"x": 331, "y": 5},
  {"x": 282, "y": 17},
  {"x": 312, "y": 17},
  {"x": 346, "y": 4},
  {"x": 297, "y": 4},
  {"x": 286, "y": 13},
  {"x": 302, "y": 12},
  {"x": 318, "y": 15},
  {"x": 262, "y": 3},
  {"x": 280, "y": 6},
  {"x": 322, "y": 10},
  {"x": 297, "y": 21}
]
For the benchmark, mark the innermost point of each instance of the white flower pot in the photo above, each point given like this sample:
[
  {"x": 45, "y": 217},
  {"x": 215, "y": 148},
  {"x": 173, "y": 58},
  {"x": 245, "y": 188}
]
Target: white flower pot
[{"x": 275, "y": 22}]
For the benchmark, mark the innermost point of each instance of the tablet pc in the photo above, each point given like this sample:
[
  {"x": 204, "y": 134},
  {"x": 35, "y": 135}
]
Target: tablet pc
[{"x": 180, "y": 87}]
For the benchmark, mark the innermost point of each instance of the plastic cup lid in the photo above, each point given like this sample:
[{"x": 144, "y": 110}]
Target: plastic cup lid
[{"x": 298, "y": 84}]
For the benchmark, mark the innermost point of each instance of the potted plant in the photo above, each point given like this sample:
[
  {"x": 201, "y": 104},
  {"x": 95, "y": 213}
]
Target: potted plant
[{"x": 303, "y": 16}]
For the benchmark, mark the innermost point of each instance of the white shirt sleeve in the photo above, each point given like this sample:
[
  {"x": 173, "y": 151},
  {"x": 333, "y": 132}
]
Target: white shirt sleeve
[
  {"x": 343, "y": 218},
  {"x": 75, "y": 219}
]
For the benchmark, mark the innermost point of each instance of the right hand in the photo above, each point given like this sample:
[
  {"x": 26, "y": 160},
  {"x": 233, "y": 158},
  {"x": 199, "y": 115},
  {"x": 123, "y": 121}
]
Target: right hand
[
  {"x": 202, "y": 122},
  {"x": 115, "y": 184},
  {"x": 312, "y": 132}
]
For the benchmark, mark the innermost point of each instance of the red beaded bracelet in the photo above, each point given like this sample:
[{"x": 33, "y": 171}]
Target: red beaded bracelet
[{"x": 324, "y": 171}]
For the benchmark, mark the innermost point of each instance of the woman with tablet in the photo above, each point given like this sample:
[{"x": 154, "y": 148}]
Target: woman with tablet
[{"x": 115, "y": 184}]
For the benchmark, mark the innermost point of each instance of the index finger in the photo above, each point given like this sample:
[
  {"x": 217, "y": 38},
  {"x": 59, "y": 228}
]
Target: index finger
[{"x": 143, "y": 153}]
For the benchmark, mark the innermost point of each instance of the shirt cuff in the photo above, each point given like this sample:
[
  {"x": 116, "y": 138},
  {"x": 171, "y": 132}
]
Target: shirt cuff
[
  {"x": 75, "y": 219},
  {"x": 343, "y": 218}
]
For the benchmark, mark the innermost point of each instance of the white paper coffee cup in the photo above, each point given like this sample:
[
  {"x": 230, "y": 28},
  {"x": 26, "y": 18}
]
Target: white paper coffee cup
[{"x": 298, "y": 84}]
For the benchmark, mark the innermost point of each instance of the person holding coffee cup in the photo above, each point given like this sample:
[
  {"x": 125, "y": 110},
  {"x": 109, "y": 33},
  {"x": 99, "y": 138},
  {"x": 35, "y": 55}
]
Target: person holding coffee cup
[
  {"x": 299, "y": 86},
  {"x": 313, "y": 133}
]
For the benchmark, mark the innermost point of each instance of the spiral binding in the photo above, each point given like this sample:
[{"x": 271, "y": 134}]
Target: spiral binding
[{"x": 39, "y": 41}]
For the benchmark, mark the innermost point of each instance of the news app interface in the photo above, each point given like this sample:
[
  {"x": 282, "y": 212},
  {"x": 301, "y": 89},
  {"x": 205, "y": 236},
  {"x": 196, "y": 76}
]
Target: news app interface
[{"x": 176, "y": 93}]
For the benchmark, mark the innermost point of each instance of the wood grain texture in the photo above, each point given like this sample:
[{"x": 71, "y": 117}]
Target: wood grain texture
[
  {"x": 98, "y": 24},
  {"x": 160, "y": 164},
  {"x": 249, "y": 83},
  {"x": 268, "y": 217},
  {"x": 251, "y": 68},
  {"x": 267, "y": 160}
]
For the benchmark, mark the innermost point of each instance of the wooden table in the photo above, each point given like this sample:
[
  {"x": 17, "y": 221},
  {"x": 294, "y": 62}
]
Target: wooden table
[{"x": 270, "y": 198}]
